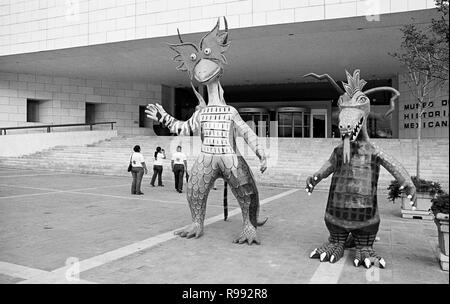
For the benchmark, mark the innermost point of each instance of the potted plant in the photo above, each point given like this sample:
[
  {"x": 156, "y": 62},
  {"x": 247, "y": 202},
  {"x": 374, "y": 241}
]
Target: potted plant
[
  {"x": 425, "y": 192},
  {"x": 440, "y": 208}
]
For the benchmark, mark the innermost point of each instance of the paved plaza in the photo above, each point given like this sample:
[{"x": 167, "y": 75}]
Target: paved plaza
[{"x": 49, "y": 220}]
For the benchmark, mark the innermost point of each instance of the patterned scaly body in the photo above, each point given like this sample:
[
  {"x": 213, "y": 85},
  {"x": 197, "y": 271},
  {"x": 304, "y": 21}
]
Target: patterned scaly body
[
  {"x": 219, "y": 125},
  {"x": 351, "y": 214},
  {"x": 220, "y": 158}
]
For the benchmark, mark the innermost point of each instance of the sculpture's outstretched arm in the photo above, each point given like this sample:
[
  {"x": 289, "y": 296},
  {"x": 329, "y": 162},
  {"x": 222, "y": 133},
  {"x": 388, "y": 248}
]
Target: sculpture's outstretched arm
[
  {"x": 157, "y": 112},
  {"x": 251, "y": 139},
  {"x": 399, "y": 173},
  {"x": 328, "y": 167}
]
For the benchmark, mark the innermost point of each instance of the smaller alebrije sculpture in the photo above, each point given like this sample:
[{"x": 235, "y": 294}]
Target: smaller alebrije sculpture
[{"x": 352, "y": 211}]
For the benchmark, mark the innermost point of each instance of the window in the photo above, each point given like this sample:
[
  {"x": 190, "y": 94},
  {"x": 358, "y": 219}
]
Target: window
[
  {"x": 293, "y": 124},
  {"x": 90, "y": 113},
  {"x": 33, "y": 110}
]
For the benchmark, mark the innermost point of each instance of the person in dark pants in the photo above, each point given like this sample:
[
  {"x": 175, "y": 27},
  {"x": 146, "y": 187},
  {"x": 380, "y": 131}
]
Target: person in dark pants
[
  {"x": 179, "y": 165},
  {"x": 160, "y": 154},
  {"x": 138, "y": 168}
]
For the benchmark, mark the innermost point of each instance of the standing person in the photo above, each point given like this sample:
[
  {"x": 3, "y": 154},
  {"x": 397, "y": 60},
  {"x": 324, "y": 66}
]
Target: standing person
[
  {"x": 179, "y": 165},
  {"x": 138, "y": 168},
  {"x": 160, "y": 154}
]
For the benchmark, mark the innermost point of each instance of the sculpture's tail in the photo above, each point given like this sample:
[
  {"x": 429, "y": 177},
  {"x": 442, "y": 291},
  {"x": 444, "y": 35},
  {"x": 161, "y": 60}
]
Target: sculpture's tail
[{"x": 254, "y": 207}]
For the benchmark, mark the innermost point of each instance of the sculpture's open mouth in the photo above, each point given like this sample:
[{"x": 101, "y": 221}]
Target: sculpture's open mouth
[
  {"x": 349, "y": 135},
  {"x": 353, "y": 134}
]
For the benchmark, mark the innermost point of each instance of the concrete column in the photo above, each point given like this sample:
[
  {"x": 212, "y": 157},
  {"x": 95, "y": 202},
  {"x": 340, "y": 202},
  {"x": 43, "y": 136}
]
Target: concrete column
[
  {"x": 394, "y": 117},
  {"x": 168, "y": 99}
]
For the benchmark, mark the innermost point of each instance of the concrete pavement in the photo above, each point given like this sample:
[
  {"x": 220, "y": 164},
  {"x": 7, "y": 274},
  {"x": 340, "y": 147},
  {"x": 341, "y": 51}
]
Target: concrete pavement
[{"x": 48, "y": 218}]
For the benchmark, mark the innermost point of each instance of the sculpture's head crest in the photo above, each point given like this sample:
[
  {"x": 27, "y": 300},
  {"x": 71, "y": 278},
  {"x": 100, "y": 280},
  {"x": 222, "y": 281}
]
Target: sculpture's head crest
[
  {"x": 354, "y": 95},
  {"x": 354, "y": 83},
  {"x": 205, "y": 62},
  {"x": 354, "y": 106}
]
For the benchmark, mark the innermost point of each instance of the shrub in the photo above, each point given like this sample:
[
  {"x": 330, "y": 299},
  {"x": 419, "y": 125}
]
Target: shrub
[
  {"x": 440, "y": 204},
  {"x": 422, "y": 186}
]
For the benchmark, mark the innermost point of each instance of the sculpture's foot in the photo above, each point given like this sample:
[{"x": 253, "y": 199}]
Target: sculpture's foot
[
  {"x": 331, "y": 252},
  {"x": 194, "y": 230},
  {"x": 369, "y": 257},
  {"x": 248, "y": 235}
]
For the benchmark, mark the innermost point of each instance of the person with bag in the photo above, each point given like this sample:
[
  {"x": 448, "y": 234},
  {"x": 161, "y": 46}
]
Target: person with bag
[
  {"x": 160, "y": 154},
  {"x": 137, "y": 167}
]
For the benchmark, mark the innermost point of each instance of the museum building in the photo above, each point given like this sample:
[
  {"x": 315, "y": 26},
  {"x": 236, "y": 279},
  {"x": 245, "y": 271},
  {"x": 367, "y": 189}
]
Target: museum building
[{"x": 98, "y": 61}]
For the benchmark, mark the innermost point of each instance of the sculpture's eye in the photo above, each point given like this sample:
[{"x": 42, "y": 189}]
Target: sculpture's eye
[
  {"x": 193, "y": 57},
  {"x": 207, "y": 51},
  {"x": 362, "y": 99}
]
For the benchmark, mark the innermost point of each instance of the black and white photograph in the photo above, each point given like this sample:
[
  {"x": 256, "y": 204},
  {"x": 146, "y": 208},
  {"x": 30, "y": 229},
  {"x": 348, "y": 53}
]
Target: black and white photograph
[{"x": 224, "y": 147}]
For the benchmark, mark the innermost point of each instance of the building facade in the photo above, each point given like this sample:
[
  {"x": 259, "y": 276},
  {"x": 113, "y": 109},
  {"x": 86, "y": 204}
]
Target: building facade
[{"x": 96, "y": 60}]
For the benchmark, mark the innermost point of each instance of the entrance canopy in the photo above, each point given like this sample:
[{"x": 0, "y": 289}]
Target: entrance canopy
[{"x": 258, "y": 55}]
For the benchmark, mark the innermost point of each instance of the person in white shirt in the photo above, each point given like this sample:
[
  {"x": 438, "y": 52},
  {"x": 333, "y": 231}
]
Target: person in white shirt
[
  {"x": 179, "y": 165},
  {"x": 138, "y": 168},
  {"x": 160, "y": 154}
]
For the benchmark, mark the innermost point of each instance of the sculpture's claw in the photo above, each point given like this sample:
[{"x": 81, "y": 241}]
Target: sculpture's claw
[
  {"x": 368, "y": 257},
  {"x": 194, "y": 230},
  {"x": 367, "y": 263},
  {"x": 310, "y": 184},
  {"x": 331, "y": 252},
  {"x": 314, "y": 254},
  {"x": 248, "y": 235}
]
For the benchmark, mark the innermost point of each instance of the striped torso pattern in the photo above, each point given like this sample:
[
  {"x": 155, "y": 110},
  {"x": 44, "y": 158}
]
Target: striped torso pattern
[{"x": 216, "y": 128}]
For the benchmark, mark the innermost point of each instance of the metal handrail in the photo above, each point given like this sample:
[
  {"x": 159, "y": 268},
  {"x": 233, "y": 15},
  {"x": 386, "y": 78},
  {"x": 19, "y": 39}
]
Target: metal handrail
[{"x": 3, "y": 130}]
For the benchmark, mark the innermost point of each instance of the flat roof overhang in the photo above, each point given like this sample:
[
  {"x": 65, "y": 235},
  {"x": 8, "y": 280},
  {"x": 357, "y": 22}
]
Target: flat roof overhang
[{"x": 258, "y": 55}]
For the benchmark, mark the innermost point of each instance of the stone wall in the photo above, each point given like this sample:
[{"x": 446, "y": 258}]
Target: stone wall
[
  {"x": 63, "y": 100},
  {"x": 38, "y": 25},
  {"x": 434, "y": 120}
]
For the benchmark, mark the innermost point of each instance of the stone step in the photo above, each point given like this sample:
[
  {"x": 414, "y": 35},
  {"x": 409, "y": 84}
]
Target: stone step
[{"x": 289, "y": 165}]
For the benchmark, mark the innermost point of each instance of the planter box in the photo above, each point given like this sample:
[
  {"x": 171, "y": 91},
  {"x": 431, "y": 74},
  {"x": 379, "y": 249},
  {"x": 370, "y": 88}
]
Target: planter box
[
  {"x": 441, "y": 221},
  {"x": 423, "y": 202},
  {"x": 423, "y": 205}
]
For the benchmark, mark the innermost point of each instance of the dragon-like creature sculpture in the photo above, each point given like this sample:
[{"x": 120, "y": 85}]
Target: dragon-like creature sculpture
[
  {"x": 351, "y": 215},
  {"x": 218, "y": 125}
]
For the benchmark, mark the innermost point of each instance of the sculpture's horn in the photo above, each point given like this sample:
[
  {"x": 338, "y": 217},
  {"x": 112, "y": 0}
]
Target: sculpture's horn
[
  {"x": 330, "y": 80},
  {"x": 226, "y": 30},
  {"x": 179, "y": 36},
  {"x": 395, "y": 96}
]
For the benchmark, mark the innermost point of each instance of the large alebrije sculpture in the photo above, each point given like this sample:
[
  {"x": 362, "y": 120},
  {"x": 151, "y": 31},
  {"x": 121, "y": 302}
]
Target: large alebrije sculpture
[
  {"x": 351, "y": 214},
  {"x": 219, "y": 125}
]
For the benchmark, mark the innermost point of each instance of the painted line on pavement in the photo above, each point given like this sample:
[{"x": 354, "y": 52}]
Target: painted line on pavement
[
  {"x": 79, "y": 191},
  {"x": 27, "y": 273},
  {"x": 32, "y": 175},
  {"x": 328, "y": 273},
  {"x": 122, "y": 252},
  {"x": 27, "y": 195},
  {"x": 57, "y": 190},
  {"x": 18, "y": 271}
]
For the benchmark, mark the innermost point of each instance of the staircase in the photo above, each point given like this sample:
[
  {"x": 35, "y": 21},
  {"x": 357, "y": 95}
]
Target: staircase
[{"x": 290, "y": 160}]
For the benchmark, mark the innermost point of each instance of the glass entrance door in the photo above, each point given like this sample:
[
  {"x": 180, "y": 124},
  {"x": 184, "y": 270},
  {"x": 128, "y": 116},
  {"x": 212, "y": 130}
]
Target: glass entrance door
[
  {"x": 257, "y": 119},
  {"x": 293, "y": 122},
  {"x": 318, "y": 125}
]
